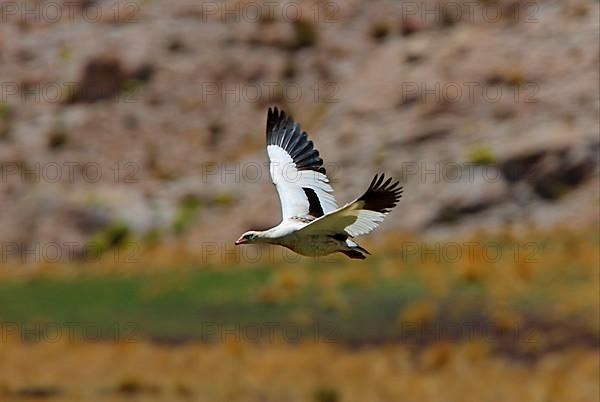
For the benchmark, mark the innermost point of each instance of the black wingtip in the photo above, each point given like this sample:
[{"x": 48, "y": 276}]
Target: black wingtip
[
  {"x": 285, "y": 133},
  {"x": 274, "y": 118},
  {"x": 382, "y": 196}
]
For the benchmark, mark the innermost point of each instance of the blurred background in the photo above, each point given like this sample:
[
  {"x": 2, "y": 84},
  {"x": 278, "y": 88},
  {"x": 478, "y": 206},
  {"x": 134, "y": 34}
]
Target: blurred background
[{"x": 132, "y": 156}]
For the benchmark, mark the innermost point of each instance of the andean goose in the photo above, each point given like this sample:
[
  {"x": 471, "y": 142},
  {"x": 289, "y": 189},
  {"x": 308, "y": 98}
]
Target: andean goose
[{"x": 312, "y": 224}]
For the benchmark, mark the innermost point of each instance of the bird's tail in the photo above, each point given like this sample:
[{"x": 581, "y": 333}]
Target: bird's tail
[
  {"x": 354, "y": 254},
  {"x": 355, "y": 251}
]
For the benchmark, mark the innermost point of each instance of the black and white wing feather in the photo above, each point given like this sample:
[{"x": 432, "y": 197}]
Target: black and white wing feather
[
  {"x": 362, "y": 215},
  {"x": 297, "y": 169}
]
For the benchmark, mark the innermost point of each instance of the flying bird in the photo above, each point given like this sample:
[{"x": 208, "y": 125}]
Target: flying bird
[{"x": 312, "y": 223}]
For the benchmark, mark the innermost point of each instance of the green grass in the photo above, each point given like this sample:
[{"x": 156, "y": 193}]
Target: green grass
[
  {"x": 176, "y": 306},
  {"x": 173, "y": 305}
]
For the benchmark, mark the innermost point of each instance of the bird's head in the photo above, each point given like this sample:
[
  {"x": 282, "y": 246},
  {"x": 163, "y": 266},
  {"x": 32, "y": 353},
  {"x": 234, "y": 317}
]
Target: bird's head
[{"x": 249, "y": 237}]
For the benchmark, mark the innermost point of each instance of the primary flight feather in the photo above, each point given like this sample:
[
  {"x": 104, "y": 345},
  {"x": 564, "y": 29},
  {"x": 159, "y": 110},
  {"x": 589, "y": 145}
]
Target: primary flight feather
[{"x": 312, "y": 224}]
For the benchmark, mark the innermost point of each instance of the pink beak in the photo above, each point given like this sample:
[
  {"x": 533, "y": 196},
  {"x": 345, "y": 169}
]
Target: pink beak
[{"x": 240, "y": 241}]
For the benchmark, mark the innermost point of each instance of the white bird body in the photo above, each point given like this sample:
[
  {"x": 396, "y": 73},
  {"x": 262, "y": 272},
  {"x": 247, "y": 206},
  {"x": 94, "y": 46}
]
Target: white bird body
[
  {"x": 312, "y": 223},
  {"x": 288, "y": 234}
]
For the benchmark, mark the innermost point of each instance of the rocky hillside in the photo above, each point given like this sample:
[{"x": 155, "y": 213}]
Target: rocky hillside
[{"x": 146, "y": 119}]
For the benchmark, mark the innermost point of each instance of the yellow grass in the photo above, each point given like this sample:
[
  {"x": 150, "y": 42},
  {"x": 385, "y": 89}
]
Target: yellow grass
[{"x": 279, "y": 372}]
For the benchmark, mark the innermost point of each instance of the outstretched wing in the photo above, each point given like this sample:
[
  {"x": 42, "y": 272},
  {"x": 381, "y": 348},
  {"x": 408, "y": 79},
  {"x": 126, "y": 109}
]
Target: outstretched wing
[
  {"x": 361, "y": 215},
  {"x": 296, "y": 169}
]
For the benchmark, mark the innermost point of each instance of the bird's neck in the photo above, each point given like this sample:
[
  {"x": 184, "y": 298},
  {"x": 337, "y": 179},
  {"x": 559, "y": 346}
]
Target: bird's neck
[{"x": 267, "y": 237}]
